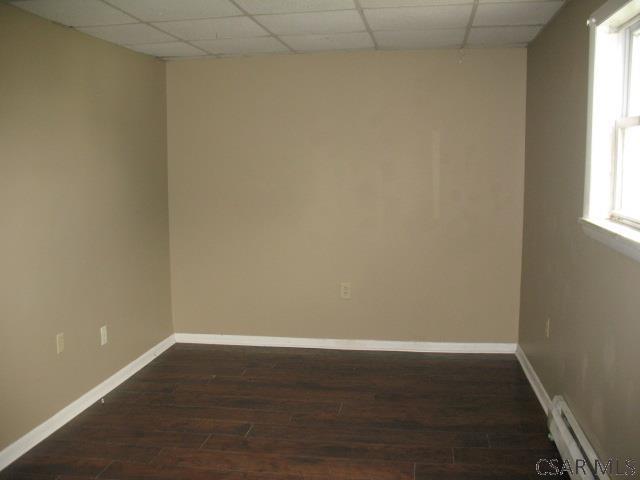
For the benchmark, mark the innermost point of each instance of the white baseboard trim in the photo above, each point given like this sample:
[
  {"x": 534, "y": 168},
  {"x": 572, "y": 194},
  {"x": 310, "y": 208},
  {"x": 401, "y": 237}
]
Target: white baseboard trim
[
  {"x": 42, "y": 431},
  {"x": 534, "y": 380},
  {"x": 340, "y": 344}
]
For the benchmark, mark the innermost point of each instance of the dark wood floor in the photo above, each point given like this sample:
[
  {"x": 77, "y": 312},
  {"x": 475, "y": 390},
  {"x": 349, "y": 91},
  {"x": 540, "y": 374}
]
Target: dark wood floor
[{"x": 212, "y": 412}]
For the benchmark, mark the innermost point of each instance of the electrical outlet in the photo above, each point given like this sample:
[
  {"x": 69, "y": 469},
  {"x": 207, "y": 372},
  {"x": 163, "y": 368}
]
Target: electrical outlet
[
  {"x": 345, "y": 290},
  {"x": 547, "y": 328},
  {"x": 59, "y": 343},
  {"x": 104, "y": 339}
]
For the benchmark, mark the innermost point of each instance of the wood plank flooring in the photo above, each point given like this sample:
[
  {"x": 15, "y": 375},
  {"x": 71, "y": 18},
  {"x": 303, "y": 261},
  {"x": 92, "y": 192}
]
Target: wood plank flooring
[{"x": 247, "y": 413}]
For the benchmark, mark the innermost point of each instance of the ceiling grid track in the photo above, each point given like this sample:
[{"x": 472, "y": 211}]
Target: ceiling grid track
[
  {"x": 178, "y": 39},
  {"x": 472, "y": 19},
  {"x": 271, "y": 34},
  {"x": 366, "y": 24}
]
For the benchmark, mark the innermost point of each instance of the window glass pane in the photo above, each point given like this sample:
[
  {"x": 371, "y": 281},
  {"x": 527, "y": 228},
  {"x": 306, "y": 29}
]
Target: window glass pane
[
  {"x": 630, "y": 178},
  {"x": 634, "y": 77}
]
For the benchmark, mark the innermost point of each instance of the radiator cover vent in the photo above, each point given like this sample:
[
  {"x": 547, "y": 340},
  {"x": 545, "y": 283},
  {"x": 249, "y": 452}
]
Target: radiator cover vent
[{"x": 572, "y": 443}]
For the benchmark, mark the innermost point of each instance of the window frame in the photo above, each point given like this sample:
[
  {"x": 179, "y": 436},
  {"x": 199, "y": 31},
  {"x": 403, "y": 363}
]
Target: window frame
[{"x": 602, "y": 217}]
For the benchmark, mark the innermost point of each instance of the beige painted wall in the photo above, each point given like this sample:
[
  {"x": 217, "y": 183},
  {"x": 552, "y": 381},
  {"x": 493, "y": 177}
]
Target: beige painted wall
[
  {"x": 589, "y": 291},
  {"x": 400, "y": 172},
  {"x": 83, "y": 214}
]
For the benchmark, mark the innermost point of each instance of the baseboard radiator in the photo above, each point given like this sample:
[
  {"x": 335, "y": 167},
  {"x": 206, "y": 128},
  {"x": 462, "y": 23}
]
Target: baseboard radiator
[{"x": 579, "y": 457}]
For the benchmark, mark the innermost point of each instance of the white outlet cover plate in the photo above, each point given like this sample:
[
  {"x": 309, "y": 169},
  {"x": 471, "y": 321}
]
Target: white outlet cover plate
[{"x": 345, "y": 290}]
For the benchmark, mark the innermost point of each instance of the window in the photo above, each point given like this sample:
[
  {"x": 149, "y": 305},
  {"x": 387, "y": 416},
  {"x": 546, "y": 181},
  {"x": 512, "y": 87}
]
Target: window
[{"x": 612, "y": 193}]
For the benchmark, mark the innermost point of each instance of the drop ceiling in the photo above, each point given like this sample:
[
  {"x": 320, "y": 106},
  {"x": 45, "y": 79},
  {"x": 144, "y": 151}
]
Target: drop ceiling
[{"x": 173, "y": 29}]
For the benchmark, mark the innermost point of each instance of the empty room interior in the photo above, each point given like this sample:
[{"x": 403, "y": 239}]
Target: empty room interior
[{"x": 319, "y": 239}]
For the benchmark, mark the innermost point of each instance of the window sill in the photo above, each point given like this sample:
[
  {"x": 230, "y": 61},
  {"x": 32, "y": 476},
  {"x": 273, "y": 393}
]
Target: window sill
[{"x": 621, "y": 238}]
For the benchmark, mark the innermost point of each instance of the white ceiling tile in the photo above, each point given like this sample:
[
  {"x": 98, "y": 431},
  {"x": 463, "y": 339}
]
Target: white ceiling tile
[
  {"x": 168, "y": 49},
  {"x": 334, "y": 41},
  {"x": 158, "y": 10},
  {"x": 293, "y": 6},
  {"x": 501, "y": 36},
  {"x": 516, "y": 13},
  {"x": 313, "y": 23},
  {"x": 412, "y": 18},
  {"x": 242, "y": 46},
  {"x": 435, "y": 38},
  {"x": 75, "y": 13},
  {"x": 128, "y": 34},
  {"x": 213, "y": 28},
  {"x": 409, "y": 3}
]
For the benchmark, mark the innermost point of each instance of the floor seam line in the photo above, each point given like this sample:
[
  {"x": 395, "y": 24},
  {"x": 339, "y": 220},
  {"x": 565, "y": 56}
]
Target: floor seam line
[
  {"x": 205, "y": 441},
  {"x": 104, "y": 469}
]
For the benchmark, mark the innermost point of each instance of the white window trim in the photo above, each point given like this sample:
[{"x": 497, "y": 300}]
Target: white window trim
[{"x": 618, "y": 236}]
